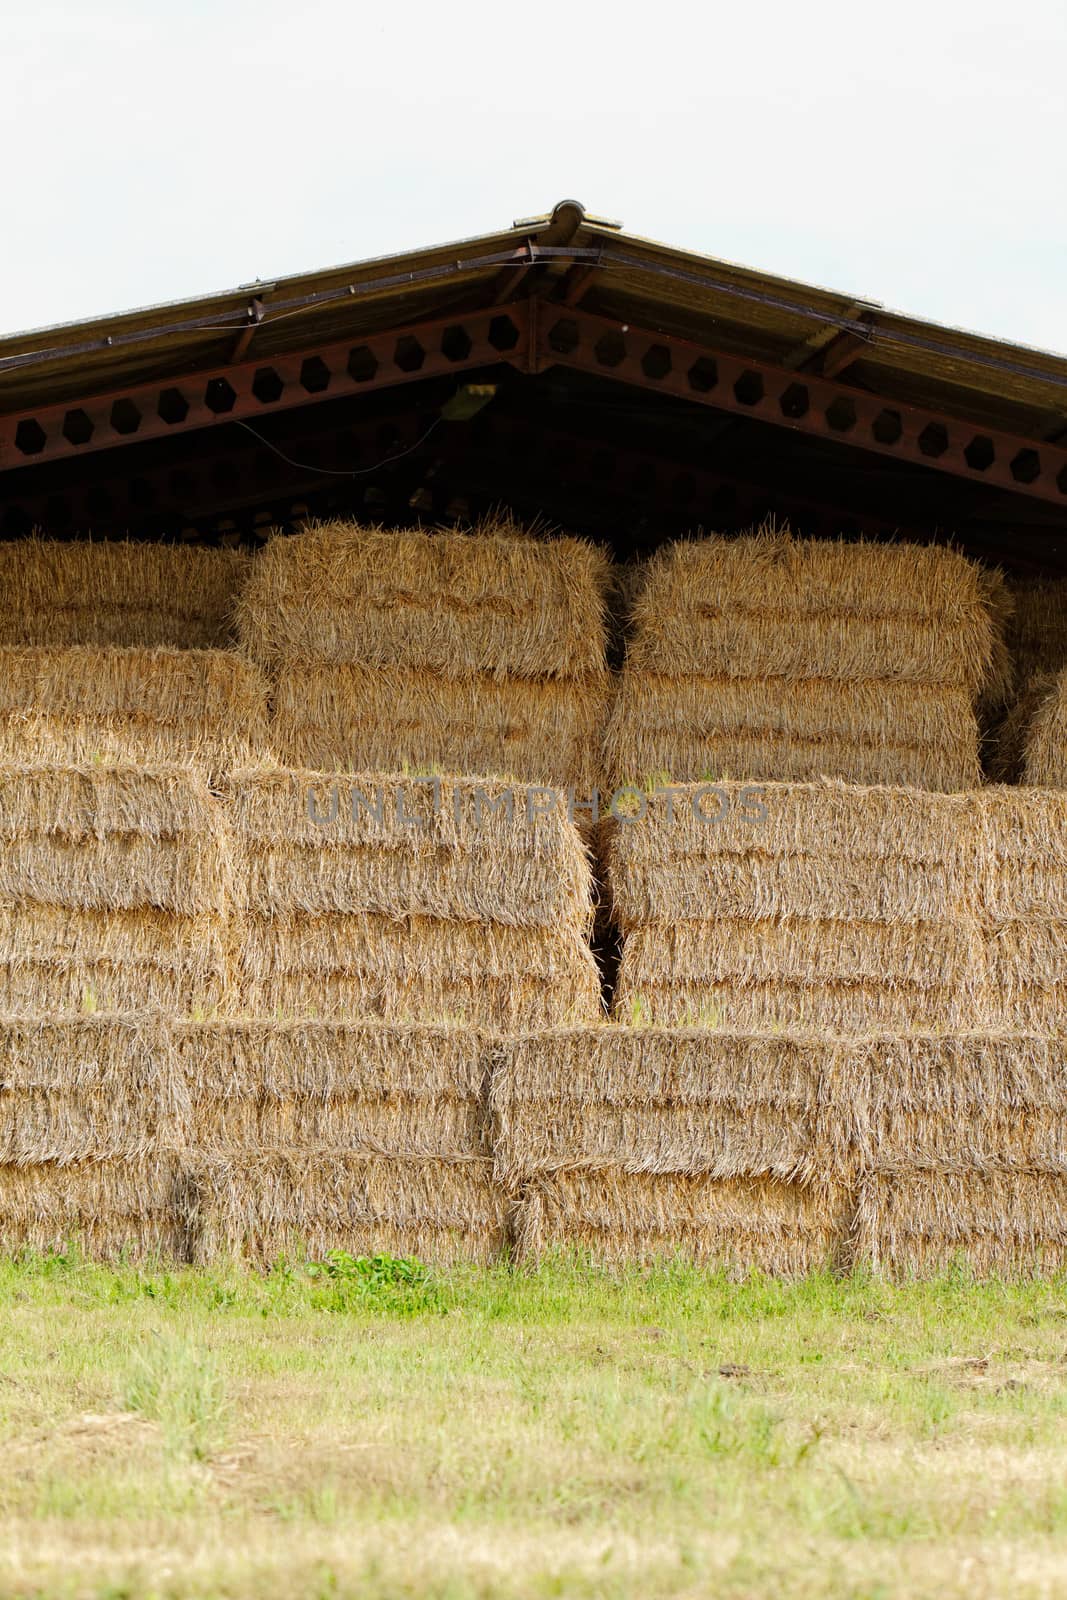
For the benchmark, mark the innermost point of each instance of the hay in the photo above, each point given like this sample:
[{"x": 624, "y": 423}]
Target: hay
[
  {"x": 1037, "y": 628},
  {"x": 919, "y": 1223},
  {"x": 832, "y": 976},
  {"x": 738, "y": 1224},
  {"x": 53, "y": 958},
  {"x": 85, "y": 705},
  {"x": 769, "y": 606},
  {"x": 355, "y": 718},
  {"x": 970, "y": 1102},
  {"x": 74, "y": 1088},
  {"x": 369, "y": 1087},
  {"x": 998, "y": 687},
  {"x": 1045, "y": 748},
  {"x": 109, "y": 593},
  {"x": 827, "y": 850},
  {"x": 458, "y": 859},
  {"x": 765, "y": 657},
  {"x": 1020, "y": 855},
  {"x": 492, "y": 601},
  {"x": 659, "y": 1100},
  {"x": 792, "y": 729},
  {"x": 284, "y": 1202},
  {"x": 1008, "y": 742},
  {"x": 108, "y": 1209},
  {"x": 112, "y": 838},
  {"x": 414, "y": 967}
]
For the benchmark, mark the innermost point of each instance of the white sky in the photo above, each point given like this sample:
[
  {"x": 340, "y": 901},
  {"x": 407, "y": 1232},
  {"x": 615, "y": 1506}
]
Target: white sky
[{"x": 913, "y": 153}]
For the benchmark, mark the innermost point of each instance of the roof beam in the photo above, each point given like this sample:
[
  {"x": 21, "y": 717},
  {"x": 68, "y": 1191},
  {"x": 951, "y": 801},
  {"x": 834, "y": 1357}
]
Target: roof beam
[
  {"x": 812, "y": 405},
  {"x": 531, "y": 336}
]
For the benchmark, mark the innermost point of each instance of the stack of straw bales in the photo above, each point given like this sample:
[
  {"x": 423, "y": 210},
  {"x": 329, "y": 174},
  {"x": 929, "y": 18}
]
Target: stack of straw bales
[
  {"x": 92, "y": 1113},
  {"x": 84, "y": 703},
  {"x": 477, "y": 653},
  {"x": 637, "y": 1143},
  {"x": 418, "y": 901},
  {"x": 357, "y": 1136},
  {"x": 113, "y": 890},
  {"x": 766, "y": 657},
  {"x": 110, "y": 593},
  {"x": 966, "y": 1154},
  {"x": 818, "y": 906}
]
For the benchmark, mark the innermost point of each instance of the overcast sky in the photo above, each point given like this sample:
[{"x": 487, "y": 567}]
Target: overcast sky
[{"x": 913, "y": 153}]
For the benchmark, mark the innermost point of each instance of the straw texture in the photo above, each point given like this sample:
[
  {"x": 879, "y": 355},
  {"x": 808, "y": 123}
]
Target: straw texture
[
  {"x": 969, "y": 1102},
  {"x": 495, "y": 601},
  {"x": 769, "y": 657},
  {"x": 355, "y": 718},
  {"x": 822, "y": 907},
  {"x": 1037, "y": 627},
  {"x": 367, "y": 1087},
  {"x": 671, "y": 1100},
  {"x": 130, "y": 1208},
  {"x": 465, "y": 653},
  {"x": 54, "y": 958},
  {"x": 112, "y": 838},
  {"x": 799, "y": 729},
  {"x": 83, "y": 706},
  {"x": 1045, "y": 744},
  {"x": 346, "y": 965},
  {"x": 115, "y": 593},
  {"x": 400, "y": 847},
  {"x": 74, "y": 1087},
  {"x": 269, "y": 1203},
  {"x": 995, "y": 1223},
  {"x": 737, "y": 1224}
]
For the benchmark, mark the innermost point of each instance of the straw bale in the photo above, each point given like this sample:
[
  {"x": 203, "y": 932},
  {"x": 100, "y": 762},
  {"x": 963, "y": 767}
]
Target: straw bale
[
  {"x": 458, "y": 859},
  {"x": 76, "y": 1087},
  {"x": 841, "y": 976},
  {"x": 792, "y": 729},
  {"x": 685, "y": 1100},
  {"x": 112, "y": 838},
  {"x": 825, "y": 850},
  {"x": 967, "y": 1102},
  {"x": 133, "y": 1208},
  {"x": 1008, "y": 742},
  {"x": 354, "y": 718},
  {"x": 283, "y": 1202},
  {"x": 1025, "y": 974},
  {"x": 371, "y": 1087},
  {"x": 54, "y": 958},
  {"x": 491, "y": 601},
  {"x": 805, "y": 951},
  {"x": 768, "y": 605},
  {"x": 1045, "y": 750},
  {"x": 773, "y": 1005},
  {"x": 1019, "y": 868},
  {"x": 915, "y": 1223},
  {"x": 85, "y": 705},
  {"x": 1000, "y": 682},
  {"x": 1037, "y": 628},
  {"x": 103, "y": 592},
  {"x": 414, "y": 967},
  {"x": 740, "y": 1224}
]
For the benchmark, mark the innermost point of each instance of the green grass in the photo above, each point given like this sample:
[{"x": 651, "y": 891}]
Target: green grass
[{"x": 374, "y": 1429}]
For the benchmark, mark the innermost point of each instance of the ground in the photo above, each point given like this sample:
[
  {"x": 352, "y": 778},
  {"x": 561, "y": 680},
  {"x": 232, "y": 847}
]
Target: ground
[{"x": 374, "y": 1432}]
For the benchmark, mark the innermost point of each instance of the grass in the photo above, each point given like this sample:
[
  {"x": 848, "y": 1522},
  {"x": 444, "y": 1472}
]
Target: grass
[{"x": 374, "y": 1429}]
